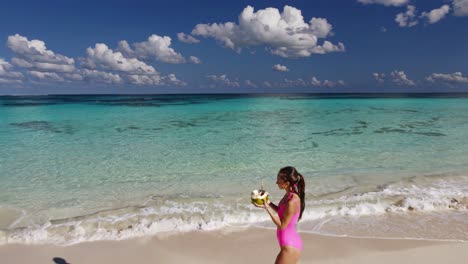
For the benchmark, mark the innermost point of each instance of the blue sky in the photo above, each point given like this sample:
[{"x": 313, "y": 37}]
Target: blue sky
[{"x": 233, "y": 46}]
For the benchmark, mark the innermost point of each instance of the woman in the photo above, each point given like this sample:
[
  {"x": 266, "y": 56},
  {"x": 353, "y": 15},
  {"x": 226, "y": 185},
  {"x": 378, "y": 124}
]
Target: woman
[{"x": 289, "y": 211}]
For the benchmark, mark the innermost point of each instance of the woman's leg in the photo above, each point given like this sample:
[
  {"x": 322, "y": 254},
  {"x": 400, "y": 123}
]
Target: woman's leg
[{"x": 288, "y": 255}]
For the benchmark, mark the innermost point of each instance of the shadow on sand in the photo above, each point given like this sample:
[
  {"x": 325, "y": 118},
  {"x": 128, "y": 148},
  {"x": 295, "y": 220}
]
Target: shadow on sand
[{"x": 60, "y": 261}]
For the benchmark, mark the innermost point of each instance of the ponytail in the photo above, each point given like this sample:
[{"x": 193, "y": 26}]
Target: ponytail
[
  {"x": 297, "y": 183},
  {"x": 301, "y": 192}
]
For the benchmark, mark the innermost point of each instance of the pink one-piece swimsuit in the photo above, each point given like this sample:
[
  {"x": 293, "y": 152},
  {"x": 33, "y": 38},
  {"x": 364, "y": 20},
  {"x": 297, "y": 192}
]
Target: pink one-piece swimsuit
[{"x": 289, "y": 236}]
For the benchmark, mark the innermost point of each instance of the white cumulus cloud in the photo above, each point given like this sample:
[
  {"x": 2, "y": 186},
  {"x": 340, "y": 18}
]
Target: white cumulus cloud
[
  {"x": 9, "y": 81},
  {"x": 379, "y": 77},
  {"x": 123, "y": 69},
  {"x": 143, "y": 79},
  {"x": 46, "y": 76},
  {"x": 267, "y": 84},
  {"x": 55, "y": 76},
  {"x": 102, "y": 64},
  {"x": 400, "y": 78},
  {"x": 222, "y": 80},
  {"x": 41, "y": 63},
  {"x": 195, "y": 60},
  {"x": 7, "y": 73},
  {"x": 187, "y": 38},
  {"x": 280, "y": 68},
  {"x": 156, "y": 47},
  {"x": 43, "y": 66},
  {"x": 171, "y": 80},
  {"x": 385, "y": 2},
  {"x": 300, "y": 82},
  {"x": 408, "y": 18},
  {"x": 436, "y": 15},
  {"x": 34, "y": 55},
  {"x": 103, "y": 57},
  {"x": 451, "y": 78},
  {"x": 330, "y": 84},
  {"x": 251, "y": 84},
  {"x": 294, "y": 83},
  {"x": 320, "y": 27},
  {"x": 75, "y": 76},
  {"x": 100, "y": 76},
  {"x": 327, "y": 47},
  {"x": 315, "y": 82},
  {"x": 285, "y": 34},
  {"x": 460, "y": 7}
]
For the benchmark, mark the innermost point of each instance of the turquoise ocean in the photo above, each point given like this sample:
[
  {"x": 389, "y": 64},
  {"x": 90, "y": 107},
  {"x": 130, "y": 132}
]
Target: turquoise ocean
[{"x": 84, "y": 168}]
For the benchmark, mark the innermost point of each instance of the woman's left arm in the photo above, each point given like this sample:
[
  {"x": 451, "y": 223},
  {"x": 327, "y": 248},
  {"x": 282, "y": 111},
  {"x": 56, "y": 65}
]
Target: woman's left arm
[{"x": 289, "y": 212}]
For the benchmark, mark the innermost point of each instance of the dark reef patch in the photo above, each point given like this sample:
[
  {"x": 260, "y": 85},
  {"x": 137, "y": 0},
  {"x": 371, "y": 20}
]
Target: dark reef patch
[
  {"x": 391, "y": 110},
  {"x": 123, "y": 129},
  {"x": 362, "y": 123},
  {"x": 354, "y": 130},
  {"x": 431, "y": 123},
  {"x": 308, "y": 142},
  {"x": 346, "y": 110},
  {"x": 38, "y": 125},
  {"x": 182, "y": 124},
  {"x": 384, "y": 130},
  {"x": 293, "y": 123},
  {"x": 329, "y": 132},
  {"x": 390, "y": 130},
  {"x": 45, "y": 126},
  {"x": 432, "y": 134},
  {"x": 19, "y": 104}
]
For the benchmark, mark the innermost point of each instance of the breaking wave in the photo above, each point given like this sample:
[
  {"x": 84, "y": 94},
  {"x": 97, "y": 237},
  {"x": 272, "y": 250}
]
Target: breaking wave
[{"x": 422, "y": 196}]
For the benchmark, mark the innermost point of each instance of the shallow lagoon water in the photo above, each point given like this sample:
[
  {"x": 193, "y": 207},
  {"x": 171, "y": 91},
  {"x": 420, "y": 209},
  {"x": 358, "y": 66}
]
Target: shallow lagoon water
[{"x": 140, "y": 165}]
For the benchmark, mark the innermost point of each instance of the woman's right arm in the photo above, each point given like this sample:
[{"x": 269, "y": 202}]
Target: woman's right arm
[{"x": 273, "y": 206}]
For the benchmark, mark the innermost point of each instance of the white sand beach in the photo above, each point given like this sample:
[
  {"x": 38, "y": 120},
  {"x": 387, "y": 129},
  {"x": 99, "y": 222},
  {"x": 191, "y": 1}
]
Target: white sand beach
[{"x": 246, "y": 246}]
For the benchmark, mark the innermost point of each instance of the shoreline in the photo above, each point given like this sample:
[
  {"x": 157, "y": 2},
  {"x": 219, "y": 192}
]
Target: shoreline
[
  {"x": 238, "y": 245},
  {"x": 437, "y": 226}
]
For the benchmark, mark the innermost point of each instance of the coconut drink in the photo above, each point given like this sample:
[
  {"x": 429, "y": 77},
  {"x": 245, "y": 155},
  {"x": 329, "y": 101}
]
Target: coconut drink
[{"x": 258, "y": 196}]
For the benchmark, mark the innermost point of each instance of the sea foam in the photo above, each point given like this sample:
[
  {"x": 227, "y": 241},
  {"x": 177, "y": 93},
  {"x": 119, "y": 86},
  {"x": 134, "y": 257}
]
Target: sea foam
[{"x": 166, "y": 217}]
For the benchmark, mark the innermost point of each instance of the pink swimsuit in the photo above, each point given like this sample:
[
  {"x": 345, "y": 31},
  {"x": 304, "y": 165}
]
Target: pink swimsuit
[{"x": 289, "y": 236}]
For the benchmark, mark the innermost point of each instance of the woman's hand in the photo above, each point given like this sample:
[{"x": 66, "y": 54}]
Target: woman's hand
[{"x": 264, "y": 205}]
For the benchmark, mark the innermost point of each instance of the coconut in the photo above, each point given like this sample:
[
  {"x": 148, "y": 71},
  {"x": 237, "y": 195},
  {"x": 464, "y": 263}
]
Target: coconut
[{"x": 258, "y": 196}]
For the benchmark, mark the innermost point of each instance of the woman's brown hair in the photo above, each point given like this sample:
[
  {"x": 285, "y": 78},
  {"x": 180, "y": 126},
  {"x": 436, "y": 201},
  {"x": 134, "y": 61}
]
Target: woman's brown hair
[{"x": 296, "y": 182}]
